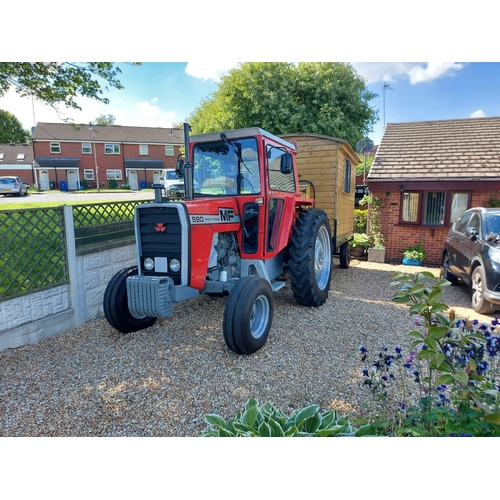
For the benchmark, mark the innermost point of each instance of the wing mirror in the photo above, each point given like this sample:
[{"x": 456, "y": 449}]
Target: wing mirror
[
  {"x": 179, "y": 168},
  {"x": 286, "y": 164}
]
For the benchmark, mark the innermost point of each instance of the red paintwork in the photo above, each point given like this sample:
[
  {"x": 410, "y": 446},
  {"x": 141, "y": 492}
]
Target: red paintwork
[{"x": 201, "y": 235}]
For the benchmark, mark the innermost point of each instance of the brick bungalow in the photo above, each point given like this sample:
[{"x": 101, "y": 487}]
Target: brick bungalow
[{"x": 427, "y": 173}]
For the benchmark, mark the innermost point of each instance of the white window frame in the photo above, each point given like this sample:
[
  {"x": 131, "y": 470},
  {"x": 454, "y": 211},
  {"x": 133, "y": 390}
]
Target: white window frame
[
  {"x": 2, "y": 156},
  {"x": 114, "y": 174},
  {"x": 115, "y": 149},
  {"x": 169, "y": 150},
  {"x": 143, "y": 149},
  {"x": 55, "y": 148},
  {"x": 88, "y": 174},
  {"x": 21, "y": 156},
  {"x": 86, "y": 148}
]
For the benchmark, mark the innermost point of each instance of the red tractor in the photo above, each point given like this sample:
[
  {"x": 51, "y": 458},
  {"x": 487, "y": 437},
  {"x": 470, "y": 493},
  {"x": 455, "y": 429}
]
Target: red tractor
[{"x": 242, "y": 225}]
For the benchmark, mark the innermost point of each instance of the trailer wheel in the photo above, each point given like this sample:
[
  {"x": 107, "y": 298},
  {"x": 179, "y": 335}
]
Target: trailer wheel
[
  {"x": 311, "y": 258},
  {"x": 248, "y": 315},
  {"x": 345, "y": 255},
  {"x": 115, "y": 304}
]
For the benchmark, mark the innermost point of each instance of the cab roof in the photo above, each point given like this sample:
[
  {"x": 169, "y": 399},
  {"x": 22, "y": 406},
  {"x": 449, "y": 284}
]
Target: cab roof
[{"x": 239, "y": 133}]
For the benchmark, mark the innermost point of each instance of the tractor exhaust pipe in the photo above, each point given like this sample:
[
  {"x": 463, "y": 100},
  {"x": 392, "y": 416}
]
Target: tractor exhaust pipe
[{"x": 188, "y": 168}]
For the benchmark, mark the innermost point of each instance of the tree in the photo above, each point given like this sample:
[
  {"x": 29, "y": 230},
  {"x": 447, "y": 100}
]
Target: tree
[
  {"x": 105, "y": 120},
  {"x": 323, "y": 98},
  {"x": 55, "y": 83},
  {"x": 11, "y": 129}
]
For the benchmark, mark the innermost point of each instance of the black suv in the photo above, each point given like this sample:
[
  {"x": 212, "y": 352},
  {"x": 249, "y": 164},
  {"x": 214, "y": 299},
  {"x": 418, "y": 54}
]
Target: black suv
[{"x": 472, "y": 254}]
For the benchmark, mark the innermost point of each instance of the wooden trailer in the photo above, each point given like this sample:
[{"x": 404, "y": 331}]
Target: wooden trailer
[{"x": 327, "y": 173}]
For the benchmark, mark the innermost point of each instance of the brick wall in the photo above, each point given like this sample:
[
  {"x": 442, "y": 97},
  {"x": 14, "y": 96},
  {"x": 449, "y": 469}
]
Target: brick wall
[{"x": 399, "y": 237}]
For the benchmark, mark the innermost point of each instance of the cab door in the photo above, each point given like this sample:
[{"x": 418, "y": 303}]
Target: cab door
[{"x": 281, "y": 202}]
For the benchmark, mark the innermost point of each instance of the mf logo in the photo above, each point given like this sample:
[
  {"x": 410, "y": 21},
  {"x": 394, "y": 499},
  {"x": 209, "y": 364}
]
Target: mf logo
[
  {"x": 160, "y": 227},
  {"x": 226, "y": 214}
]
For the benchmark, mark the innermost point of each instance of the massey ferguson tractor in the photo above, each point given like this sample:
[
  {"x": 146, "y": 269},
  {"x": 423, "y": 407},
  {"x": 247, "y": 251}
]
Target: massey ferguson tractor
[{"x": 242, "y": 229}]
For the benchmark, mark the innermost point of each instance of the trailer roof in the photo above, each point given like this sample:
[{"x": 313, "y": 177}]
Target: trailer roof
[{"x": 237, "y": 133}]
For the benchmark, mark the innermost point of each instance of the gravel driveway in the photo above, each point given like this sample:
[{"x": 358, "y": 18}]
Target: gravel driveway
[{"x": 92, "y": 381}]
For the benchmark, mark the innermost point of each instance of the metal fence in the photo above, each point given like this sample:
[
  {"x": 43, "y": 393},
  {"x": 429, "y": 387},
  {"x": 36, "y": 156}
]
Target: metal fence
[
  {"x": 99, "y": 226},
  {"x": 32, "y": 251}
]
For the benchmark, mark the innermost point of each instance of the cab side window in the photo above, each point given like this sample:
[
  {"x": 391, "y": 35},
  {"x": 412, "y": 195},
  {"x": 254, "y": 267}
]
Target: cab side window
[{"x": 278, "y": 181}]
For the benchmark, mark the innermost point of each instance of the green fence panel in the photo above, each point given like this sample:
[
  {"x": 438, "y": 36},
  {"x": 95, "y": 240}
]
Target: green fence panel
[{"x": 32, "y": 251}]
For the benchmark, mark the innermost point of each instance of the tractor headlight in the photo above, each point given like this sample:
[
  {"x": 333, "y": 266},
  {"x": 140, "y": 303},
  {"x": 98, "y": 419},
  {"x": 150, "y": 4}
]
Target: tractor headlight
[
  {"x": 149, "y": 264},
  {"x": 175, "y": 265}
]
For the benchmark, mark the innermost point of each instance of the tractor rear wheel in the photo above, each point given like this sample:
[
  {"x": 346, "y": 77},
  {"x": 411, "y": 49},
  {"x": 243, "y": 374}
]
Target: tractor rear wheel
[
  {"x": 311, "y": 258},
  {"x": 115, "y": 304},
  {"x": 248, "y": 315}
]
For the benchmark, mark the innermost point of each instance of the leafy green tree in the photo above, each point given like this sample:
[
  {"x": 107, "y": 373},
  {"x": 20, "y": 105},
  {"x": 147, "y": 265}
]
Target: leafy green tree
[
  {"x": 360, "y": 167},
  {"x": 59, "y": 83},
  {"x": 324, "y": 98},
  {"x": 11, "y": 129},
  {"x": 105, "y": 120}
]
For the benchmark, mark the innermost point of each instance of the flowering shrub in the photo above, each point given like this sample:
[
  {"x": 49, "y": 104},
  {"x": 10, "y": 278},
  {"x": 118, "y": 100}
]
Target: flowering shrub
[{"x": 449, "y": 382}]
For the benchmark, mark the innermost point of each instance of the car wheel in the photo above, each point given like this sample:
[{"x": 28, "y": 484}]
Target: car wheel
[
  {"x": 446, "y": 270},
  {"x": 478, "y": 285}
]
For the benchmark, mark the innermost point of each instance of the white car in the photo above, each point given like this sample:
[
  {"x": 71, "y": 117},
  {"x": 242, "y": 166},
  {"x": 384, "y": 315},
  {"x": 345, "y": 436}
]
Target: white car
[
  {"x": 13, "y": 186},
  {"x": 173, "y": 186}
]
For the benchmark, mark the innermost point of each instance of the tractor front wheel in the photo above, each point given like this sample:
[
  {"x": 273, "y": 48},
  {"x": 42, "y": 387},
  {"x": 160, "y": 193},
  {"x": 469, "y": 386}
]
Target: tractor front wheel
[
  {"x": 311, "y": 258},
  {"x": 115, "y": 304},
  {"x": 248, "y": 315}
]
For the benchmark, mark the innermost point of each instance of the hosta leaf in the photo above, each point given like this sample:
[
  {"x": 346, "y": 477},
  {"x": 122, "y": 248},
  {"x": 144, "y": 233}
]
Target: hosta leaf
[
  {"x": 304, "y": 414},
  {"x": 264, "y": 430},
  {"x": 242, "y": 428},
  {"x": 312, "y": 424},
  {"x": 327, "y": 419},
  {"x": 276, "y": 430},
  {"x": 224, "y": 433},
  {"x": 250, "y": 403},
  {"x": 250, "y": 415},
  {"x": 213, "y": 419},
  {"x": 366, "y": 430},
  {"x": 292, "y": 432}
]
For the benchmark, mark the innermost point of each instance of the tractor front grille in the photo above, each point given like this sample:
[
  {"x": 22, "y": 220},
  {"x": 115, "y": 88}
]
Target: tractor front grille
[{"x": 161, "y": 231}]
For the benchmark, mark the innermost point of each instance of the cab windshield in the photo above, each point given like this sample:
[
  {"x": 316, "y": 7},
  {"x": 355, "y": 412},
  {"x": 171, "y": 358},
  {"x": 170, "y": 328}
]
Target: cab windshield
[{"x": 226, "y": 167}]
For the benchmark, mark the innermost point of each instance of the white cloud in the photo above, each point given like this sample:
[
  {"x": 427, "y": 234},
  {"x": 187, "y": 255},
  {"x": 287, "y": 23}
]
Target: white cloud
[
  {"x": 433, "y": 70},
  {"x": 478, "y": 114},
  {"x": 208, "y": 70},
  {"x": 155, "y": 99},
  {"x": 416, "y": 72}
]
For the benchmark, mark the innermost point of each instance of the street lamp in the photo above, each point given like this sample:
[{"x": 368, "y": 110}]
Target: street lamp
[{"x": 95, "y": 160}]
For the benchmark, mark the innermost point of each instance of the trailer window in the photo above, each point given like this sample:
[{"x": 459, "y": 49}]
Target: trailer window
[{"x": 221, "y": 169}]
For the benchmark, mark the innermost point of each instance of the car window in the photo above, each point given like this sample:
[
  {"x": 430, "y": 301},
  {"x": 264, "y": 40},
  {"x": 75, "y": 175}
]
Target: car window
[
  {"x": 474, "y": 224},
  {"x": 493, "y": 223},
  {"x": 461, "y": 224}
]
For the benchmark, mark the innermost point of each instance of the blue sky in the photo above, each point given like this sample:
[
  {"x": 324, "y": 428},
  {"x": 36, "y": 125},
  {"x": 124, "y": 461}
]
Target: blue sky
[{"x": 157, "y": 94}]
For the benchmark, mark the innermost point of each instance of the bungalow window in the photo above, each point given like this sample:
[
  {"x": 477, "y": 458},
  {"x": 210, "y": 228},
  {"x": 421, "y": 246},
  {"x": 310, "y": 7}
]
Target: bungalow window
[
  {"x": 55, "y": 147},
  {"x": 433, "y": 208}
]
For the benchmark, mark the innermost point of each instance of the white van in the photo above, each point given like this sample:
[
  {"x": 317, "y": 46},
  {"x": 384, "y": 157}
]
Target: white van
[{"x": 173, "y": 186}]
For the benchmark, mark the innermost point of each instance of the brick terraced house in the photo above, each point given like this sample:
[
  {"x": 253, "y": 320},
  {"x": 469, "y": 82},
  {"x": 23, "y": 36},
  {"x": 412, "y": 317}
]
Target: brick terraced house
[
  {"x": 427, "y": 173},
  {"x": 71, "y": 155},
  {"x": 17, "y": 160}
]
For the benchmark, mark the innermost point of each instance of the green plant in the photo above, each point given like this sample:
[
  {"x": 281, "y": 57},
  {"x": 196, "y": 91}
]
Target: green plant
[
  {"x": 453, "y": 363},
  {"x": 267, "y": 421},
  {"x": 360, "y": 240},
  {"x": 84, "y": 183},
  {"x": 375, "y": 224},
  {"x": 415, "y": 252},
  {"x": 494, "y": 203},
  {"x": 360, "y": 220},
  {"x": 113, "y": 184}
]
